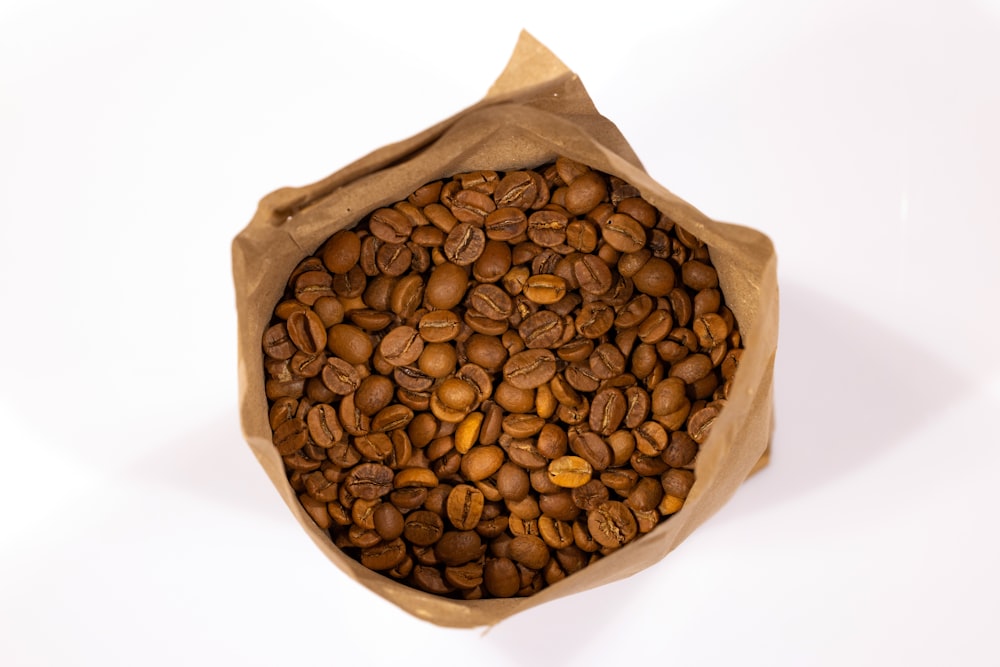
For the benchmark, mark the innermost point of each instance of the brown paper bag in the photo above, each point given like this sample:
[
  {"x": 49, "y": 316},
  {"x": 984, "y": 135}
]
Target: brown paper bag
[{"x": 535, "y": 111}]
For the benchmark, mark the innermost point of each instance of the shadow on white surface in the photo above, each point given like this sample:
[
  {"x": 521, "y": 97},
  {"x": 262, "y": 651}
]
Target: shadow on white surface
[
  {"x": 847, "y": 391},
  {"x": 214, "y": 463}
]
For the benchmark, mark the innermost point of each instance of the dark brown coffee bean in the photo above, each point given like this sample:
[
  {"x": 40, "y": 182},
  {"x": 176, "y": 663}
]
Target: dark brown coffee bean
[
  {"x": 517, "y": 189},
  {"x": 682, "y": 448},
  {"x": 342, "y": 251},
  {"x": 340, "y": 377},
  {"x": 446, "y": 286},
  {"x": 491, "y": 301},
  {"x": 529, "y": 369},
  {"x": 677, "y": 482},
  {"x": 591, "y": 447},
  {"x": 590, "y": 495},
  {"x": 585, "y": 192},
  {"x": 700, "y": 423},
  {"x": 582, "y": 378},
  {"x": 607, "y": 361},
  {"x": 290, "y": 436},
  {"x": 668, "y": 396},
  {"x": 464, "y": 244},
  {"x": 384, "y": 556},
  {"x": 655, "y": 278},
  {"x": 351, "y": 284},
  {"x": 324, "y": 426},
  {"x": 349, "y": 343},
  {"x": 699, "y": 275},
  {"x": 646, "y": 495},
  {"x": 505, "y": 223},
  {"x": 369, "y": 481},
  {"x": 541, "y": 330},
  {"x": 390, "y": 225},
  {"x": 306, "y": 331},
  {"x": 593, "y": 275},
  {"x": 655, "y": 327},
  {"x": 465, "y": 506},
  {"x": 457, "y": 547},
  {"x": 650, "y": 438},
  {"x": 611, "y": 524},
  {"x": 439, "y": 326},
  {"x": 529, "y": 550},
  {"x": 501, "y": 577},
  {"x": 512, "y": 482},
  {"x": 388, "y": 521},
  {"x": 607, "y": 411},
  {"x": 594, "y": 319},
  {"x": 423, "y": 528},
  {"x": 277, "y": 343},
  {"x": 522, "y": 451},
  {"x": 522, "y": 425},
  {"x": 312, "y": 286},
  {"x": 547, "y": 228},
  {"x": 623, "y": 233},
  {"x": 692, "y": 368},
  {"x": 472, "y": 207},
  {"x": 402, "y": 346},
  {"x": 466, "y": 577}
]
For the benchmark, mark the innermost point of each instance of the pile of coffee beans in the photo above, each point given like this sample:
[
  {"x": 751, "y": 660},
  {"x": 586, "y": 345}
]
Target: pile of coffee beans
[{"x": 482, "y": 389}]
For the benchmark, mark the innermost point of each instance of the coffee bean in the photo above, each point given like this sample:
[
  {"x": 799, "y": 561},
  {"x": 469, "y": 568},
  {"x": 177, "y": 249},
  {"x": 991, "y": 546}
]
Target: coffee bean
[
  {"x": 446, "y": 285},
  {"x": 607, "y": 411},
  {"x": 501, "y": 578},
  {"x": 423, "y": 528},
  {"x": 491, "y": 301},
  {"x": 349, "y": 343},
  {"x": 592, "y": 448},
  {"x": 464, "y": 245},
  {"x": 402, "y": 346},
  {"x": 340, "y": 377},
  {"x": 529, "y": 369},
  {"x": 481, "y": 461},
  {"x": 439, "y": 326},
  {"x": 512, "y": 482},
  {"x": 593, "y": 275},
  {"x": 655, "y": 278},
  {"x": 465, "y": 506},
  {"x": 457, "y": 547},
  {"x": 570, "y": 471},
  {"x": 545, "y": 288},
  {"x": 611, "y": 524}
]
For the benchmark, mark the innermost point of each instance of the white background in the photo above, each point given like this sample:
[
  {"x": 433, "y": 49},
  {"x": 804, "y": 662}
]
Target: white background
[{"x": 135, "y": 140}]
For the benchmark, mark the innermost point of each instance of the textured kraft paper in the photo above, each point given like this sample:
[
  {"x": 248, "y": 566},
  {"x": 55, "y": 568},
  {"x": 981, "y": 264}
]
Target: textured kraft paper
[{"x": 536, "y": 110}]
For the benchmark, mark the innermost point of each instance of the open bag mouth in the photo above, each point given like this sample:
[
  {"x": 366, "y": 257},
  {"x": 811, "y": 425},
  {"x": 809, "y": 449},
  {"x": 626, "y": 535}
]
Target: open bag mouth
[{"x": 476, "y": 361}]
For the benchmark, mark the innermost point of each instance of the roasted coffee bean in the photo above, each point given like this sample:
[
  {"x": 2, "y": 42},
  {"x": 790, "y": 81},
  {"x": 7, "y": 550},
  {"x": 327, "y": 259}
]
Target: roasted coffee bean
[
  {"x": 611, "y": 524},
  {"x": 570, "y": 472},
  {"x": 593, "y": 275},
  {"x": 349, "y": 343},
  {"x": 491, "y": 301},
  {"x": 423, "y": 528},
  {"x": 465, "y": 506},
  {"x": 607, "y": 411},
  {"x": 457, "y": 547},
  {"x": 481, "y": 461},
  {"x": 465, "y": 243},
  {"x": 545, "y": 288},
  {"x": 446, "y": 285},
  {"x": 591, "y": 447},
  {"x": 402, "y": 346},
  {"x": 529, "y": 369},
  {"x": 461, "y": 383}
]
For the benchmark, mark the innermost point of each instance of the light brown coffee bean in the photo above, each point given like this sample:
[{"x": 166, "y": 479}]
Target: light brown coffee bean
[
  {"x": 570, "y": 472},
  {"x": 607, "y": 411},
  {"x": 545, "y": 288},
  {"x": 593, "y": 275},
  {"x": 446, "y": 285}
]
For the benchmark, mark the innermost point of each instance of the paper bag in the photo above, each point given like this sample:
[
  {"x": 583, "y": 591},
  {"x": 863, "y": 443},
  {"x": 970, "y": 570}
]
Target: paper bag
[{"x": 537, "y": 110}]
